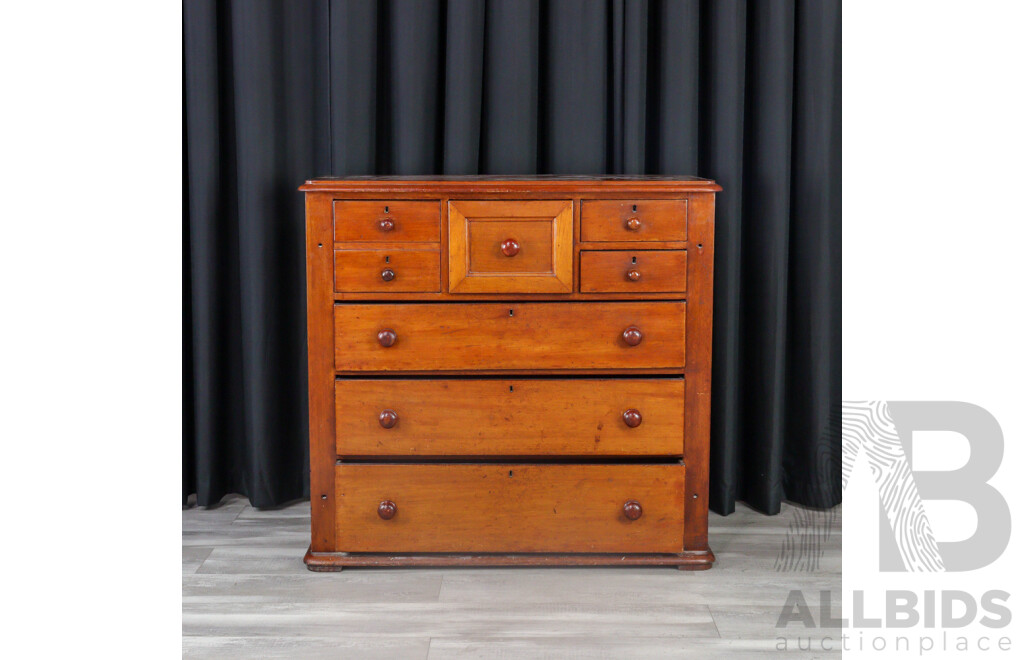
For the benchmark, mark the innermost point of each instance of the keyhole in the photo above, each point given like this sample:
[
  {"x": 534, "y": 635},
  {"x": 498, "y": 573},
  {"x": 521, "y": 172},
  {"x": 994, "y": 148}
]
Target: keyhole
[
  {"x": 510, "y": 473},
  {"x": 634, "y": 208},
  {"x": 511, "y": 388},
  {"x": 511, "y": 313},
  {"x": 386, "y": 210},
  {"x": 387, "y": 260},
  {"x": 700, "y": 246},
  {"x": 634, "y": 259}
]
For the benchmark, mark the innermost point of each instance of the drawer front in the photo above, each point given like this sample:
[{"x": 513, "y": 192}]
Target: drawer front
[
  {"x": 387, "y": 270},
  {"x": 509, "y": 508},
  {"x": 633, "y": 220},
  {"x": 510, "y": 247},
  {"x": 640, "y": 271},
  {"x": 509, "y": 336},
  {"x": 502, "y": 417},
  {"x": 387, "y": 221}
]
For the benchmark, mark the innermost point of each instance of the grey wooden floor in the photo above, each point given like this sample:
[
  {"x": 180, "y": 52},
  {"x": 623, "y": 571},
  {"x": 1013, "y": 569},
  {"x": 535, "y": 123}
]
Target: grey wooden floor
[{"x": 247, "y": 594}]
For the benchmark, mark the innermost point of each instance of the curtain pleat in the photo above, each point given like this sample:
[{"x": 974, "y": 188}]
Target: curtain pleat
[{"x": 745, "y": 93}]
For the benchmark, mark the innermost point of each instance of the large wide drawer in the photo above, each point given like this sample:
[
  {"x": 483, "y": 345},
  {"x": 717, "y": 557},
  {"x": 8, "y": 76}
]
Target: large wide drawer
[
  {"x": 509, "y": 508},
  {"x": 503, "y": 417},
  {"x": 509, "y": 336}
]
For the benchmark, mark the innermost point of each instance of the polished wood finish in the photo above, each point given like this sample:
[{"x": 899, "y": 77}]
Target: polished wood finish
[
  {"x": 386, "y": 270},
  {"x": 510, "y": 337},
  {"x": 633, "y": 220},
  {"x": 331, "y": 561},
  {"x": 510, "y": 507},
  {"x": 428, "y": 299},
  {"x": 387, "y": 419},
  {"x": 632, "y": 336},
  {"x": 509, "y": 417},
  {"x": 320, "y": 338},
  {"x": 387, "y": 220},
  {"x": 386, "y": 510},
  {"x": 387, "y": 338},
  {"x": 649, "y": 271},
  {"x": 510, "y": 247},
  {"x": 632, "y": 418},
  {"x": 632, "y": 510}
]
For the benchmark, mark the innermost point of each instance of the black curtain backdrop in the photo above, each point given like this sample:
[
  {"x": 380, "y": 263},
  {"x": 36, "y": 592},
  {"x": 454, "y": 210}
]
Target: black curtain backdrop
[{"x": 745, "y": 93}]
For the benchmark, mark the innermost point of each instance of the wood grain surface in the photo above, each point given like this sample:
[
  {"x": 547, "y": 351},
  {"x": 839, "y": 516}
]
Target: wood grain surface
[
  {"x": 510, "y": 417},
  {"x": 509, "y": 507},
  {"x": 543, "y": 230},
  {"x": 656, "y": 220},
  {"x": 418, "y": 221},
  {"x": 512, "y": 336},
  {"x": 655, "y": 271},
  {"x": 412, "y": 270}
]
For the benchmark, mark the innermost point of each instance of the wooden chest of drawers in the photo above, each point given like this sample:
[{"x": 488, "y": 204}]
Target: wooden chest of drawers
[{"x": 509, "y": 371}]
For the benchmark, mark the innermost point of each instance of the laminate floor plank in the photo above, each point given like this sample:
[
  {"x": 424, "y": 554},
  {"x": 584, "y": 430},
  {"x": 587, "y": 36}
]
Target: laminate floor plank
[
  {"x": 311, "y": 648},
  {"x": 601, "y": 647},
  {"x": 246, "y": 594},
  {"x": 192, "y": 557}
]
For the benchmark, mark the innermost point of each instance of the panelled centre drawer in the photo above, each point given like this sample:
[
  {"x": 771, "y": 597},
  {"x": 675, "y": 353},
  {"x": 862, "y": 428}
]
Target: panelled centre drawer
[
  {"x": 509, "y": 336},
  {"x": 387, "y": 221},
  {"x": 520, "y": 246},
  {"x": 504, "y": 417},
  {"x": 509, "y": 508}
]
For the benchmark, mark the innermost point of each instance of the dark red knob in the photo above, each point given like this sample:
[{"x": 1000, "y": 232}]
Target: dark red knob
[
  {"x": 388, "y": 418},
  {"x": 510, "y": 247},
  {"x": 632, "y": 274},
  {"x": 386, "y": 224},
  {"x": 387, "y": 510},
  {"x": 630, "y": 335},
  {"x": 633, "y": 224},
  {"x": 387, "y": 274},
  {"x": 631, "y": 417},
  {"x": 631, "y": 508},
  {"x": 387, "y": 337}
]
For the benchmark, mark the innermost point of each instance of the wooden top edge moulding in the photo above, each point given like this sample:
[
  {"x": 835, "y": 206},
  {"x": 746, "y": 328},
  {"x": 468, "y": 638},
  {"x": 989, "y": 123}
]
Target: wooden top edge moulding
[{"x": 510, "y": 184}]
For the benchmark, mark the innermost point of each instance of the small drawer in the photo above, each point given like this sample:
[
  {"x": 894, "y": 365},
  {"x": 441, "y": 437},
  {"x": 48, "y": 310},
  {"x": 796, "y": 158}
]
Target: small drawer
[
  {"x": 509, "y": 507},
  {"x": 633, "y": 220},
  {"x": 394, "y": 270},
  {"x": 506, "y": 417},
  {"x": 640, "y": 271},
  {"x": 387, "y": 222},
  {"x": 510, "y": 247},
  {"x": 511, "y": 336}
]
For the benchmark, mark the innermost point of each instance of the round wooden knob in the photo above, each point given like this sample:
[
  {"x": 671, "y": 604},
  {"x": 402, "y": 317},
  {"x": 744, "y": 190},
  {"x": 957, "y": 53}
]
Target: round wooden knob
[
  {"x": 388, "y": 337},
  {"x": 631, "y": 508},
  {"x": 388, "y": 418},
  {"x": 632, "y": 275},
  {"x": 385, "y": 224},
  {"x": 630, "y": 335},
  {"x": 631, "y": 417},
  {"x": 633, "y": 224},
  {"x": 387, "y": 274},
  {"x": 510, "y": 247},
  {"x": 387, "y": 510}
]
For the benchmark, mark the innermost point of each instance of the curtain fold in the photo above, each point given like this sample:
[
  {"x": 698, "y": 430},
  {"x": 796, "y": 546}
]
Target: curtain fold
[{"x": 745, "y": 93}]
